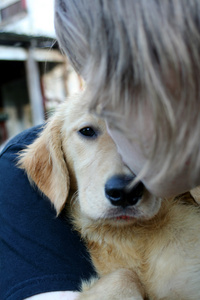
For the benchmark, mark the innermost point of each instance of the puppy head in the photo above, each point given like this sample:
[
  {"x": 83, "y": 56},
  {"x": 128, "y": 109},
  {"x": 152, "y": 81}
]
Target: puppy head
[{"x": 75, "y": 153}]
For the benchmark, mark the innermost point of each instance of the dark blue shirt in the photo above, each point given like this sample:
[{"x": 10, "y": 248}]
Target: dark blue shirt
[{"x": 38, "y": 252}]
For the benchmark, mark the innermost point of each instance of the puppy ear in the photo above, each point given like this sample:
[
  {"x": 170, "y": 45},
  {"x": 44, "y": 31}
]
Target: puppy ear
[
  {"x": 45, "y": 165},
  {"x": 196, "y": 194}
]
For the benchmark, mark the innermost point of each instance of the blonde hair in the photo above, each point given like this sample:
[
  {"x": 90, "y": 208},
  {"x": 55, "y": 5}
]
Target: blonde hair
[{"x": 135, "y": 53}]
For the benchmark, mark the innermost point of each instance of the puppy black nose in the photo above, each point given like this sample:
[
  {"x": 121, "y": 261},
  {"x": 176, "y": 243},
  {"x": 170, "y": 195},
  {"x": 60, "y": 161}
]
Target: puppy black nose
[{"x": 118, "y": 193}]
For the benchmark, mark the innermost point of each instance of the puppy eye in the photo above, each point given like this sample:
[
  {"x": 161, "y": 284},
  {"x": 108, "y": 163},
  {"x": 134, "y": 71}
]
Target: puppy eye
[{"x": 88, "y": 132}]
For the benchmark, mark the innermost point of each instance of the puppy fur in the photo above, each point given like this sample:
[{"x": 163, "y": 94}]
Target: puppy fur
[{"x": 150, "y": 250}]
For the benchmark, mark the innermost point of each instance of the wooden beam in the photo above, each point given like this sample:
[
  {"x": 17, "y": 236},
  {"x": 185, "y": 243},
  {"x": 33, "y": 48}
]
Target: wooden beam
[{"x": 34, "y": 88}]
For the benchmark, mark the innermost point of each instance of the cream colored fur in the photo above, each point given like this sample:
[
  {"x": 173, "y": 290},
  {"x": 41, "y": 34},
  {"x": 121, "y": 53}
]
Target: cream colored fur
[{"x": 155, "y": 254}]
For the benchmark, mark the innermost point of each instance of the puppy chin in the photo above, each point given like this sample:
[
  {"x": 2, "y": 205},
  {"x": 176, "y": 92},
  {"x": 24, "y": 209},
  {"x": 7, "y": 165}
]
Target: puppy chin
[
  {"x": 144, "y": 211},
  {"x": 117, "y": 216}
]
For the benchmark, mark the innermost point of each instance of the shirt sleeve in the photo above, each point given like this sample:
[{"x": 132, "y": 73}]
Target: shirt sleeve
[{"x": 39, "y": 252}]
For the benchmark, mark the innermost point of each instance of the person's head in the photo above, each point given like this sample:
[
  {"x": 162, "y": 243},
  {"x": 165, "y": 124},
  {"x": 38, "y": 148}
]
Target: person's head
[{"x": 141, "y": 63}]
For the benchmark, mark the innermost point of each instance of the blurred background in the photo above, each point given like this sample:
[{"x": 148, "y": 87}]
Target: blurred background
[{"x": 34, "y": 76}]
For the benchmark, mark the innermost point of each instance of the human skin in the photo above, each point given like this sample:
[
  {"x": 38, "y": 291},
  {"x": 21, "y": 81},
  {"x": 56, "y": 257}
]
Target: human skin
[{"x": 68, "y": 295}]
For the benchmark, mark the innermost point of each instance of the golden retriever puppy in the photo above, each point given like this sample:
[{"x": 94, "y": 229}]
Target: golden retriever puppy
[{"x": 142, "y": 247}]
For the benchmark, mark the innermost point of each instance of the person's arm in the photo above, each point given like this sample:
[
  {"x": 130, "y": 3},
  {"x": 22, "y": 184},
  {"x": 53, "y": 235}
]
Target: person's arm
[
  {"x": 39, "y": 252},
  {"x": 69, "y": 295}
]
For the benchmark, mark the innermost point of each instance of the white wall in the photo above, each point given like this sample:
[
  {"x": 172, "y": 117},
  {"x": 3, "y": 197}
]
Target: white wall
[{"x": 39, "y": 20}]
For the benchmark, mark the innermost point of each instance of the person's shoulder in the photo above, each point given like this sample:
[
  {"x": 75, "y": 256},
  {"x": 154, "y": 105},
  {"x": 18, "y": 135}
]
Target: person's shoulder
[{"x": 23, "y": 139}]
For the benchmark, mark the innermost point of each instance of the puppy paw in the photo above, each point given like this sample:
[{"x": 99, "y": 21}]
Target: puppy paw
[
  {"x": 87, "y": 285},
  {"x": 121, "y": 284}
]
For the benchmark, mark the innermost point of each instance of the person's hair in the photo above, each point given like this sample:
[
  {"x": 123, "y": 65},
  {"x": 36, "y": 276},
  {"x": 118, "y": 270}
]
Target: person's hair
[{"x": 138, "y": 53}]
